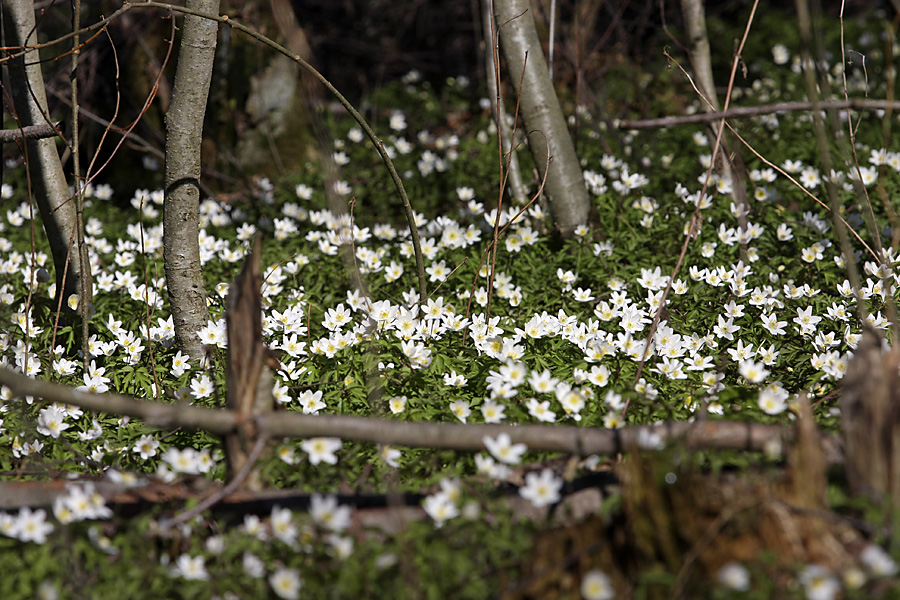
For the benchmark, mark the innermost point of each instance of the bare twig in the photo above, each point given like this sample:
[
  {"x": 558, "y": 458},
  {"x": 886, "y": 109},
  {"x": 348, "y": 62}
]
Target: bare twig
[
  {"x": 376, "y": 141},
  {"x": 225, "y": 20},
  {"x": 695, "y": 219},
  {"x": 231, "y": 487},
  {"x": 755, "y": 111}
]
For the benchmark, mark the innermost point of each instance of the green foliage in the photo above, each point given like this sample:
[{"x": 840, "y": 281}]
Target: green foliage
[{"x": 580, "y": 290}]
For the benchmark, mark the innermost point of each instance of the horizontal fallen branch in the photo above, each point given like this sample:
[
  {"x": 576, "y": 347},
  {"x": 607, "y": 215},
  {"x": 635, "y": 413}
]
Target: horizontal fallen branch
[
  {"x": 580, "y": 441},
  {"x": 389, "y": 514},
  {"x": 755, "y": 111},
  {"x": 32, "y": 132}
]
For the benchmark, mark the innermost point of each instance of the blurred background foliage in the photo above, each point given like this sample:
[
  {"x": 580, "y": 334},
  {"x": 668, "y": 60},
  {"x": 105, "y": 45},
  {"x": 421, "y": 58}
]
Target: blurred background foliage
[{"x": 267, "y": 119}]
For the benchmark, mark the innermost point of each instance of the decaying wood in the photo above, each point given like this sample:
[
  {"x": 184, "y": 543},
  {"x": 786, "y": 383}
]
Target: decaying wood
[
  {"x": 870, "y": 419},
  {"x": 688, "y": 521},
  {"x": 249, "y": 379}
]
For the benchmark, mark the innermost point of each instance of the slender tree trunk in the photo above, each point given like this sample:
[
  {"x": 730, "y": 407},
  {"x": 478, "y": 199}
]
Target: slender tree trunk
[
  {"x": 181, "y": 218},
  {"x": 694, "y": 13},
  {"x": 50, "y": 189},
  {"x": 728, "y": 161},
  {"x": 514, "y": 181},
  {"x": 540, "y": 110}
]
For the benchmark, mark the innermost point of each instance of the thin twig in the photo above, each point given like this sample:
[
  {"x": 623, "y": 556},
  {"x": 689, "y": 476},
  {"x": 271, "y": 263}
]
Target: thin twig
[
  {"x": 695, "y": 222},
  {"x": 755, "y": 111},
  {"x": 376, "y": 141},
  {"x": 890, "y": 305},
  {"x": 85, "y": 283},
  {"x": 218, "y": 496}
]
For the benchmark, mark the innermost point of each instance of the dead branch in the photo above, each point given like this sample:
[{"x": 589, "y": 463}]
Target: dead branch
[
  {"x": 154, "y": 414},
  {"x": 372, "y": 511},
  {"x": 249, "y": 380},
  {"x": 31, "y": 132},
  {"x": 755, "y": 111},
  {"x": 579, "y": 441}
]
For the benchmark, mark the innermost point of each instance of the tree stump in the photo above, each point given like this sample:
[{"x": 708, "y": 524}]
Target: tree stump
[{"x": 249, "y": 378}]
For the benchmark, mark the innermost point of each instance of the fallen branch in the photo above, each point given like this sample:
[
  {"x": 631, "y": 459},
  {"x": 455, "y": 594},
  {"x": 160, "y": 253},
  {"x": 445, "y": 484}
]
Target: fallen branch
[
  {"x": 579, "y": 441},
  {"x": 755, "y": 111},
  {"x": 580, "y": 499}
]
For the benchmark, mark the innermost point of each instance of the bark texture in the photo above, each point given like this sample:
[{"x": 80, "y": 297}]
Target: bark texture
[
  {"x": 540, "y": 110},
  {"x": 249, "y": 391},
  {"x": 870, "y": 420},
  {"x": 45, "y": 170},
  {"x": 184, "y": 135},
  {"x": 694, "y": 13},
  {"x": 514, "y": 176}
]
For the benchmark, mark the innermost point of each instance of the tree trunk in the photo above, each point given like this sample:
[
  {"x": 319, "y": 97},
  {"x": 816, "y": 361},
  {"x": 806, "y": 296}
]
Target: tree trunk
[
  {"x": 181, "y": 218},
  {"x": 695, "y": 23},
  {"x": 514, "y": 175},
  {"x": 51, "y": 191},
  {"x": 540, "y": 110},
  {"x": 728, "y": 161}
]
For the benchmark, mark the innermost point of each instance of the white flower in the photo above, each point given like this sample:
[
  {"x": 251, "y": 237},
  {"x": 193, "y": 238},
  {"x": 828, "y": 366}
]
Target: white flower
[
  {"x": 190, "y": 567},
  {"x": 282, "y": 523},
  {"x": 734, "y": 576},
  {"x": 146, "y": 447},
  {"x": 878, "y": 562},
  {"x": 341, "y": 545},
  {"x": 780, "y": 54},
  {"x": 51, "y": 421},
  {"x": 819, "y": 583},
  {"x": 286, "y": 583},
  {"x": 772, "y": 400},
  {"x": 80, "y": 503},
  {"x": 753, "y": 371},
  {"x": 31, "y": 526},
  {"x": 253, "y": 566},
  {"x": 504, "y": 450},
  {"x": 649, "y": 440},
  {"x": 596, "y": 585},
  {"x": 391, "y": 456},
  {"x": 542, "y": 489},
  {"x": 540, "y": 410},
  {"x": 182, "y": 461},
  {"x": 397, "y": 404},
  {"x": 47, "y": 591},
  {"x": 201, "y": 387},
  {"x": 460, "y": 408},
  {"x": 440, "y": 508},
  {"x": 287, "y": 455},
  {"x": 180, "y": 364},
  {"x": 321, "y": 449},
  {"x": 492, "y": 412},
  {"x": 397, "y": 122},
  {"x": 326, "y": 512}
]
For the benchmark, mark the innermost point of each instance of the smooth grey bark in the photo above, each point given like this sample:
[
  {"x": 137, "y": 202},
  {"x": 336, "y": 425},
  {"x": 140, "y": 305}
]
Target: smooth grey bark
[
  {"x": 181, "y": 213},
  {"x": 728, "y": 160},
  {"x": 514, "y": 176},
  {"x": 694, "y": 14},
  {"x": 544, "y": 121},
  {"x": 51, "y": 191}
]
